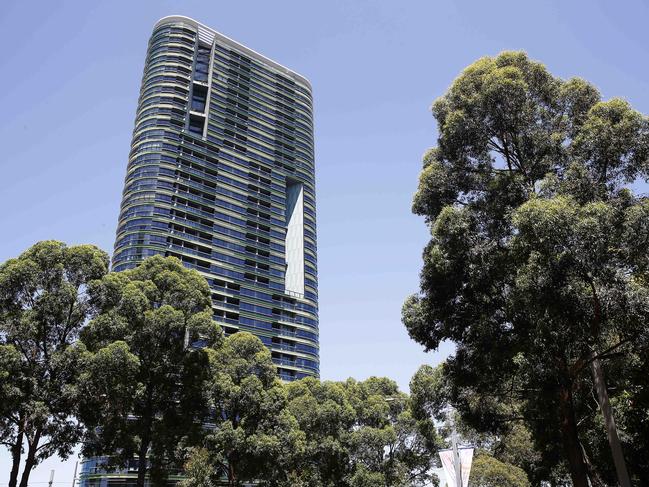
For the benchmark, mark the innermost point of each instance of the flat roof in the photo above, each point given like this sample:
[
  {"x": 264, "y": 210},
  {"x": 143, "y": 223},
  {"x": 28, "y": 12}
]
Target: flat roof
[{"x": 208, "y": 35}]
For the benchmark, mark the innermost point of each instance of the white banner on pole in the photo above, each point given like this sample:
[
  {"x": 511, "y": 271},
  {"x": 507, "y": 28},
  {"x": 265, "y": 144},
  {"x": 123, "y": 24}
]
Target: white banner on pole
[
  {"x": 466, "y": 460},
  {"x": 446, "y": 456}
]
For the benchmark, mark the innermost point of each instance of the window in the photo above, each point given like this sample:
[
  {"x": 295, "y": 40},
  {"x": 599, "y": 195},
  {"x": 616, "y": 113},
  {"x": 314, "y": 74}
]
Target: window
[
  {"x": 202, "y": 67},
  {"x": 196, "y": 124},
  {"x": 199, "y": 97}
]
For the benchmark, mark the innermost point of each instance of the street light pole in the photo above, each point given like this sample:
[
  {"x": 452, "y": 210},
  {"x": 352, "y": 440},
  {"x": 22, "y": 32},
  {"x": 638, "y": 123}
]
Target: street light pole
[
  {"x": 456, "y": 458},
  {"x": 74, "y": 475}
]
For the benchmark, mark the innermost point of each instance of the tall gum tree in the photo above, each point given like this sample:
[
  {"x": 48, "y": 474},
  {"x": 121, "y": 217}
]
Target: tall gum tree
[
  {"x": 254, "y": 437},
  {"x": 531, "y": 268},
  {"x": 147, "y": 367},
  {"x": 43, "y": 306},
  {"x": 361, "y": 433}
]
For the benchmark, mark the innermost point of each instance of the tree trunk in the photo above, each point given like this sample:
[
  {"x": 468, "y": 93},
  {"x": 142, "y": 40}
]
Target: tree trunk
[
  {"x": 232, "y": 475},
  {"x": 16, "y": 452},
  {"x": 145, "y": 439},
  {"x": 30, "y": 461},
  {"x": 571, "y": 444},
  {"x": 142, "y": 459},
  {"x": 609, "y": 421},
  {"x": 594, "y": 476}
]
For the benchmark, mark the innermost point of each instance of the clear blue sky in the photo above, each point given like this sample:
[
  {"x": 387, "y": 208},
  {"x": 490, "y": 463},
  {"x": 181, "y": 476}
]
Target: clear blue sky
[{"x": 69, "y": 80}]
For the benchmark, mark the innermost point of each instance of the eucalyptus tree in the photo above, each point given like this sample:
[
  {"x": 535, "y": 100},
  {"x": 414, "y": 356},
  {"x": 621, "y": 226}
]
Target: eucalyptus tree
[
  {"x": 253, "y": 436},
  {"x": 536, "y": 267},
  {"x": 360, "y": 433},
  {"x": 326, "y": 416},
  {"x": 13, "y": 391},
  {"x": 44, "y": 304},
  {"x": 389, "y": 445},
  {"x": 144, "y": 385},
  {"x": 198, "y": 471}
]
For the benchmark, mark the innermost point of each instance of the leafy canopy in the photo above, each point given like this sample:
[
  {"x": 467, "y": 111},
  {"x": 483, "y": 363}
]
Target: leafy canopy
[
  {"x": 486, "y": 471},
  {"x": 534, "y": 265},
  {"x": 254, "y": 436},
  {"x": 361, "y": 433},
  {"x": 144, "y": 382},
  {"x": 44, "y": 304}
]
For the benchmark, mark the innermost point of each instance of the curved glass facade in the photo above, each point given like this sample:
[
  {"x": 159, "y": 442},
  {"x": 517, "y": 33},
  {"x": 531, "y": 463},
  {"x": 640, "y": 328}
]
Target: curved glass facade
[{"x": 221, "y": 176}]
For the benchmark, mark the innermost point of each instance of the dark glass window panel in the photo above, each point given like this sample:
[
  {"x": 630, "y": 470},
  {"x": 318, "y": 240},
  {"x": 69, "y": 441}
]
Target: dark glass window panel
[
  {"x": 202, "y": 67},
  {"x": 196, "y": 125},
  {"x": 199, "y": 98},
  {"x": 198, "y": 105}
]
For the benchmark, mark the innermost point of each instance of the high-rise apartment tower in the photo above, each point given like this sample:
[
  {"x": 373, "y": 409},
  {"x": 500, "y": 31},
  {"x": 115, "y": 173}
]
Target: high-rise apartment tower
[{"x": 221, "y": 176}]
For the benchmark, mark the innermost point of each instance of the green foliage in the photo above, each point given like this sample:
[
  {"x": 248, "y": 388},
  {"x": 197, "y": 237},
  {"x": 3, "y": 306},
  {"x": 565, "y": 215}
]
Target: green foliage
[
  {"x": 254, "y": 435},
  {"x": 386, "y": 439},
  {"x": 534, "y": 263},
  {"x": 513, "y": 445},
  {"x": 133, "y": 364},
  {"x": 363, "y": 477},
  {"x": 489, "y": 472},
  {"x": 307, "y": 432},
  {"x": 144, "y": 383},
  {"x": 43, "y": 306},
  {"x": 428, "y": 393},
  {"x": 14, "y": 386},
  {"x": 360, "y": 433},
  {"x": 11, "y": 389},
  {"x": 323, "y": 411},
  {"x": 198, "y": 470}
]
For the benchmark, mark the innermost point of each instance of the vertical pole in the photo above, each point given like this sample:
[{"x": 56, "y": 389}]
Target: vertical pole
[
  {"x": 456, "y": 458},
  {"x": 74, "y": 475},
  {"x": 51, "y": 478}
]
